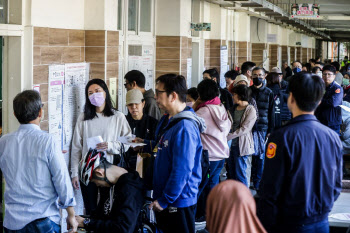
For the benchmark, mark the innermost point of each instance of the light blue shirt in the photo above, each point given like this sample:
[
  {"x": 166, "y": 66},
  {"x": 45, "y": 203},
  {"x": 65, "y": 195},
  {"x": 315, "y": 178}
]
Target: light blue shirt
[{"x": 36, "y": 177}]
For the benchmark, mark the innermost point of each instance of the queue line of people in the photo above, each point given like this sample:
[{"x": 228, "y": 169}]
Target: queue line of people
[{"x": 231, "y": 124}]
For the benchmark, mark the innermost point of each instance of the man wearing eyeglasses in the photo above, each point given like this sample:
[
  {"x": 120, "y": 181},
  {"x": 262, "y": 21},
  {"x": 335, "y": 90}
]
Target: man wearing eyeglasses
[{"x": 329, "y": 111}]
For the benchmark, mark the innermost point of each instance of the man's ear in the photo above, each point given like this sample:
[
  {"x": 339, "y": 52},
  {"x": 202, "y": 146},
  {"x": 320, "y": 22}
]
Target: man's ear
[
  {"x": 40, "y": 112},
  {"x": 99, "y": 172},
  {"x": 133, "y": 84}
]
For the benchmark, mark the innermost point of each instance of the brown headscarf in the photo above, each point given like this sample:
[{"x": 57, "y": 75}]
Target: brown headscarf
[{"x": 231, "y": 209}]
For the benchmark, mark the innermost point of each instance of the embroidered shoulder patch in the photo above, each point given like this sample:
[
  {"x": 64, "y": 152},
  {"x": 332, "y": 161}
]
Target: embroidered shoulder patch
[
  {"x": 271, "y": 150},
  {"x": 337, "y": 91}
]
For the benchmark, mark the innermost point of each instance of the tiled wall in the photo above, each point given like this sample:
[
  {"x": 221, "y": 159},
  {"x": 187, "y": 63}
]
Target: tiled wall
[
  {"x": 258, "y": 53},
  {"x": 273, "y": 55},
  {"x": 292, "y": 54},
  {"x": 171, "y": 54},
  {"x": 284, "y": 49},
  {"x": 243, "y": 52},
  {"x": 212, "y": 54},
  {"x": 299, "y": 53},
  {"x": 60, "y": 46},
  {"x": 304, "y": 55},
  {"x": 54, "y": 46}
]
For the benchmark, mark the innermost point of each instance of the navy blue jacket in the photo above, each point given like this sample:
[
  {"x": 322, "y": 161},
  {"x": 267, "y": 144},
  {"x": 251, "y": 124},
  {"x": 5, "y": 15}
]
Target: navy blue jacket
[
  {"x": 265, "y": 101},
  {"x": 303, "y": 178},
  {"x": 329, "y": 111}
]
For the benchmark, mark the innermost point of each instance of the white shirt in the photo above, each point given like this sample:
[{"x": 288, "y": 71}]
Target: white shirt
[{"x": 109, "y": 128}]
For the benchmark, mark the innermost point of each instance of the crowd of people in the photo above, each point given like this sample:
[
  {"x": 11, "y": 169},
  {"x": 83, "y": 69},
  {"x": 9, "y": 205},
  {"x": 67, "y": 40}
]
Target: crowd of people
[{"x": 277, "y": 132}]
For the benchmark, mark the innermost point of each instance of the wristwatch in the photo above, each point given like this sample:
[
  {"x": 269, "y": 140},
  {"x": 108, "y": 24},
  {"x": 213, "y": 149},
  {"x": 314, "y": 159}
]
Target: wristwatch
[{"x": 86, "y": 222}]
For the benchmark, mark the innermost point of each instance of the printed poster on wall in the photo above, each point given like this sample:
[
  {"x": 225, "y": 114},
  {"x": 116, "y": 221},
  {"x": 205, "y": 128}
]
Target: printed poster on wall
[
  {"x": 148, "y": 66},
  {"x": 223, "y": 65},
  {"x": 55, "y": 98},
  {"x": 189, "y": 73},
  {"x": 113, "y": 90},
  {"x": 76, "y": 78},
  {"x": 305, "y": 10}
]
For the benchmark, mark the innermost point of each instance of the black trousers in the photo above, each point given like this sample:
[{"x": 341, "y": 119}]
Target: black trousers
[
  {"x": 89, "y": 194},
  {"x": 181, "y": 221}
]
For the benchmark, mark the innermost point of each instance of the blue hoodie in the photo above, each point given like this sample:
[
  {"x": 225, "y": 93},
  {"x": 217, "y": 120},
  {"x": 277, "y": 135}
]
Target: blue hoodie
[{"x": 177, "y": 167}]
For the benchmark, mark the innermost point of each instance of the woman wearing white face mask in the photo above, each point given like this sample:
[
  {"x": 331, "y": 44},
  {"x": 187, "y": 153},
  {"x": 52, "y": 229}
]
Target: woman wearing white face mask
[{"x": 98, "y": 119}]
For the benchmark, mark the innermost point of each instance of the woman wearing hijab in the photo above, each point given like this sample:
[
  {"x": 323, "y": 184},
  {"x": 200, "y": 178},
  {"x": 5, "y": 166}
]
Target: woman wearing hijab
[
  {"x": 231, "y": 209},
  {"x": 98, "y": 119}
]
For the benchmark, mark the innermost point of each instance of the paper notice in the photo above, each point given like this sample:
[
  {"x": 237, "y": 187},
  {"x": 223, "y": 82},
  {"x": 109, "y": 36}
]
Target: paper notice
[{"x": 93, "y": 141}]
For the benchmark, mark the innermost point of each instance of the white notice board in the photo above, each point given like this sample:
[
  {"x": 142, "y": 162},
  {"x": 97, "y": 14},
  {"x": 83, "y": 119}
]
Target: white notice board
[{"x": 223, "y": 65}]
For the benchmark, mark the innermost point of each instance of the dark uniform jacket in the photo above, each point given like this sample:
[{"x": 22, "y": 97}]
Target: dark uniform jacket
[
  {"x": 329, "y": 111},
  {"x": 302, "y": 174},
  {"x": 265, "y": 102},
  {"x": 126, "y": 207}
]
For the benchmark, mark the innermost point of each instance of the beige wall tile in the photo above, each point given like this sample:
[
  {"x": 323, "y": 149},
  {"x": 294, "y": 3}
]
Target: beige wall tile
[
  {"x": 168, "y": 65},
  {"x": 112, "y": 70},
  {"x": 184, "y": 42},
  {"x": 82, "y": 54},
  {"x": 242, "y": 44},
  {"x": 40, "y": 74},
  {"x": 207, "y": 52},
  {"x": 215, "y": 61},
  {"x": 58, "y": 37},
  {"x": 184, "y": 54},
  {"x": 71, "y": 55},
  {"x": 259, "y": 46},
  {"x": 36, "y": 55},
  {"x": 214, "y": 52},
  {"x": 44, "y": 92},
  {"x": 167, "y": 53},
  {"x": 112, "y": 54},
  {"x": 76, "y": 37},
  {"x": 51, "y": 55},
  {"x": 41, "y": 36},
  {"x": 46, "y": 111},
  {"x": 112, "y": 38},
  {"x": 242, "y": 52},
  {"x": 95, "y": 38},
  {"x": 44, "y": 125},
  {"x": 207, "y": 44},
  {"x": 215, "y": 44},
  {"x": 167, "y": 41},
  {"x": 97, "y": 71},
  {"x": 94, "y": 54}
]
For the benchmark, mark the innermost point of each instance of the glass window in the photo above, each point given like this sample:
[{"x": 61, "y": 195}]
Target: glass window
[
  {"x": 3, "y": 11},
  {"x": 132, "y": 15},
  {"x": 120, "y": 7},
  {"x": 145, "y": 19}
]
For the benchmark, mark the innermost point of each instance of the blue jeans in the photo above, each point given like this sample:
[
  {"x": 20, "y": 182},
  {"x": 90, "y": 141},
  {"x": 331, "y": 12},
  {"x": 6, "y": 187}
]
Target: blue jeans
[
  {"x": 317, "y": 227},
  {"x": 214, "y": 175},
  {"x": 44, "y": 225},
  {"x": 258, "y": 166},
  {"x": 239, "y": 167}
]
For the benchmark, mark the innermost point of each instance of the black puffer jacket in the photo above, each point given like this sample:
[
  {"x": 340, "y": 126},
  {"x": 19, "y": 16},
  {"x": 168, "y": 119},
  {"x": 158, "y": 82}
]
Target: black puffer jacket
[
  {"x": 126, "y": 207},
  {"x": 265, "y": 102},
  {"x": 226, "y": 98}
]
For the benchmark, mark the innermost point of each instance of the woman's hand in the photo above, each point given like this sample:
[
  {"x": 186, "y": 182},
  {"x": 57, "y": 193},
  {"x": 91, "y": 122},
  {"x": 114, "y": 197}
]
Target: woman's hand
[
  {"x": 138, "y": 140},
  {"x": 103, "y": 146},
  {"x": 75, "y": 182}
]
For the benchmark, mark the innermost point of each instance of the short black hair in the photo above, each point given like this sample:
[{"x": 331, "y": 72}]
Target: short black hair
[
  {"x": 307, "y": 89},
  {"x": 314, "y": 70},
  {"x": 330, "y": 68},
  {"x": 308, "y": 67},
  {"x": 336, "y": 65},
  {"x": 232, "y": 74},
  {"x": 213, "y": 73},
  {"x": 346, "y": 57},
  {"x": 242, "y": 91},
  {"x": 312, "y": 60},
  {"x": 89, "y": 109},
  {"x": 259, "y": 68},
  {"x": 248, "y": 65},
  {"x": 193, "y": 93},
  {"x": 207, "y": 90},
  {"x": 137, "y": 76},
  {"x": 26, "y": 106},
  {"x": 174, "y": 83}
]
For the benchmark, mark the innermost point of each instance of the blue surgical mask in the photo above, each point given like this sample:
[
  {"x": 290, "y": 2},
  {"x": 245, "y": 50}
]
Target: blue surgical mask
[{"x": 296, "y": 70}]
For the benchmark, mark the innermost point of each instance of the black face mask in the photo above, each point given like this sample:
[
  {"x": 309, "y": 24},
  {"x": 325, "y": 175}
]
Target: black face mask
[{"x": 257, "y": 81}]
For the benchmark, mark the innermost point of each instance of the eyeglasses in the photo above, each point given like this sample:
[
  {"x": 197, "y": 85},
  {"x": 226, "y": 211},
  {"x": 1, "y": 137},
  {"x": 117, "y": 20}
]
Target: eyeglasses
[
  {"x": 125, "y": 84},
  {"x": 159, "y": 92},
  {"x": 327, "y": 74}
]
